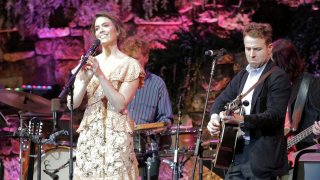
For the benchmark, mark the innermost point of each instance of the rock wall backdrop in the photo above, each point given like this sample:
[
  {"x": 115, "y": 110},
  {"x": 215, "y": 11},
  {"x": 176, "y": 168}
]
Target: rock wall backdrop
[{"x": 42, "y": 40}]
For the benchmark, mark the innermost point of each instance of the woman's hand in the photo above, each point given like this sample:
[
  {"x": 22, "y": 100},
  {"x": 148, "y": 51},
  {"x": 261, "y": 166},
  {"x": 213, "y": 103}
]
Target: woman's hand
[
  {"x": 93, "y": 66},
  {"x": 316, "y": 128},
  {"x": 85, "y": 74}
]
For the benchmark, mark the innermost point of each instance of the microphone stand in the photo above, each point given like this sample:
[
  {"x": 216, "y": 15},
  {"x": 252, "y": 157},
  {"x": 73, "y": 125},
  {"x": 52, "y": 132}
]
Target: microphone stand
[
  {"x": 198, "y": 153},
  {"x": 176, "y": 170},
  {"x": 69, "y": 88}
]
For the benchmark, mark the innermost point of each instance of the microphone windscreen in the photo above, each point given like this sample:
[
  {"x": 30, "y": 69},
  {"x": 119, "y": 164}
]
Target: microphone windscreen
[{"x": 55, "y": 104}]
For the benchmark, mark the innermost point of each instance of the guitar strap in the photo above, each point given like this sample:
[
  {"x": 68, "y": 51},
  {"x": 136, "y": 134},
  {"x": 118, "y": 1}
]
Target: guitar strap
[
  {"x": 241, "y": 132},
  {"x": 300, "y": 101},
  {"x": 258, "y": 82}
]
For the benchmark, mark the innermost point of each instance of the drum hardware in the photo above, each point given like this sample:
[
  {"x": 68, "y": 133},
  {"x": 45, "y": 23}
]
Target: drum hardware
[
  {"x": 33, "y": 133},
  {"x": 148, "y": 163},
  {"x": 51, "y": 140},
  {"x": 153, "y": 161},
  {"x": 176, "y": 173},
  {"x": 178, "y": 167},
  {"x": 30, "y": 103},
  {"x": 52, "y": 175},
  {"x": 3, "y": 121},
  {"x": 144, "y": 136},
  {"x": 21, "y": 144},
  {"x": 54, "y": 161},
  {"x": 187, "y": 140},
  {"x": 1, "y": 169},
  {"x": 53, "y": 172}
]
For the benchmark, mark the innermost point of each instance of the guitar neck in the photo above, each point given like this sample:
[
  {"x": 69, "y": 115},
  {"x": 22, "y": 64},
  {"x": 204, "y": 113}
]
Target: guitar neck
[
  {"x": 297, "y": 138},
  {"x": 31, "y": 161}
]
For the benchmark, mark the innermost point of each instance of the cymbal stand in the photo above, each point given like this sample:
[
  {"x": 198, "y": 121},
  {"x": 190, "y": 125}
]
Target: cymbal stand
[
  {"x": 148, "y": 163},
  {"x": 1, "y": 169},
  {"x": 198, "y": 153},
  {"x": 176, "y": 173},
  {"x": 39, "y": 158},
  {"x": 153, "y": 162},
  {"x": 21, "y": 144}
]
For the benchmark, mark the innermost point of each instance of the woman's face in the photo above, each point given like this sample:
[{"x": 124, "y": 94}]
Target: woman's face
[{"x": 105, "y": 30}]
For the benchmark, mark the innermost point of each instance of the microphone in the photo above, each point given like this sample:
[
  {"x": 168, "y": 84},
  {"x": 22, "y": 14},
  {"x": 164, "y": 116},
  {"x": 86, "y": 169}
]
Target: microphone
[
  {"x": 55, "y": 106},
  {"x": 52, "y": 175},
  {"x": 219, "y": 52},
  {"x": 58, "y": 133},
  {"x": 91, "y": 50},
  {"x": 53, "y": 137}
]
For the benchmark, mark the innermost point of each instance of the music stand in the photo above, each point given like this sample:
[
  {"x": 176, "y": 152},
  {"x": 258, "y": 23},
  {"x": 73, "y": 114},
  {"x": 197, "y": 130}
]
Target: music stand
[{"x": 3, "y": 121}]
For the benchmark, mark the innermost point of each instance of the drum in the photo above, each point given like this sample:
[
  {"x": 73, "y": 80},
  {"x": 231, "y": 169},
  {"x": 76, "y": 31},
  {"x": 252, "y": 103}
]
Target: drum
[
  {"x": 56, "y": 162},
  {"x": 187, "y": 141},
  {"x": 165, "y": 171},
  {"x": 140, "y": 142}
]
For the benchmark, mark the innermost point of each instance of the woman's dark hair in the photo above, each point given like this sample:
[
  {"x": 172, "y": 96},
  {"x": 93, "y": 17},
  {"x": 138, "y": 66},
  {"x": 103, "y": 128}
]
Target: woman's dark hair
[{"x": 286, "y": 56}]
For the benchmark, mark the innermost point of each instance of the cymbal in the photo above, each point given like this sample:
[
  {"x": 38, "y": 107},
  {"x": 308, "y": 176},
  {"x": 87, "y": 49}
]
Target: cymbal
[{"x": 25, "y": 101}]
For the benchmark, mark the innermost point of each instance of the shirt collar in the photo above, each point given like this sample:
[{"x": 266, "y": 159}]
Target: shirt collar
[{"x": 255, "y": 70}]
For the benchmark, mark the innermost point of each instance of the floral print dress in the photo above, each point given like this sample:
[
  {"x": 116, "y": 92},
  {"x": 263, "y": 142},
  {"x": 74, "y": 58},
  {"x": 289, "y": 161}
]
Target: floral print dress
[{"x": 105, "y": 145}]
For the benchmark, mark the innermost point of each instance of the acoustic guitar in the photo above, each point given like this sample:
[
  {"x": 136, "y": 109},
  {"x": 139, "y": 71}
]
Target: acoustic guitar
[
  {"x": 228, "y": 137},
  {"x": 34, "y": 130}
]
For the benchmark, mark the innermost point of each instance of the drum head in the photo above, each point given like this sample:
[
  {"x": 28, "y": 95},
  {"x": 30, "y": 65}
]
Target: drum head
[{"x": 56, "y": 162}]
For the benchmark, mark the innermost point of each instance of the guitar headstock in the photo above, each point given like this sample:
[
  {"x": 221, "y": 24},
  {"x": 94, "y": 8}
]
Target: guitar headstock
[
  {"x": 235, "y": 106},
  {"x": 35, "y": 126}
]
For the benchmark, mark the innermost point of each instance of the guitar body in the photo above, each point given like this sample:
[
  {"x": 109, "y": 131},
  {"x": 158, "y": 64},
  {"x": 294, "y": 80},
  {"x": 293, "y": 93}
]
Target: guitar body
[
  {"x": 226, "y": 146},
  {"x": 229, "y": 135},
  {"x": 291, "y": 156},
  {"x": 293, "y": 140}
]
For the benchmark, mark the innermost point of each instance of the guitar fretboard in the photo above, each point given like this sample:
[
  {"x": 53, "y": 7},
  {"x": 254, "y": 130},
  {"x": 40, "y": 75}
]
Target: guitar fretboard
[{"x": 297, "y": 138}]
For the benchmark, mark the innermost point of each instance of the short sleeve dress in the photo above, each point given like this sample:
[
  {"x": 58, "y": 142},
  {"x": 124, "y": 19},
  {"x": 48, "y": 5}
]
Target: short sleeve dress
[{"x": 105, "y": 144}]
